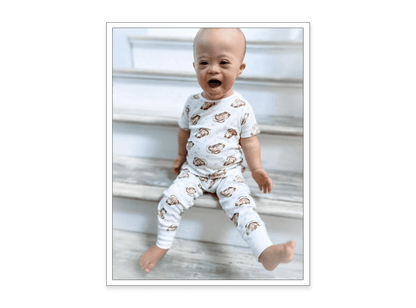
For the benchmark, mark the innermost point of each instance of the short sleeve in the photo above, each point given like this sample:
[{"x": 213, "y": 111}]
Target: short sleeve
[
  {"x": 248, "y": 123},
  {"x": 184, "y": 120}
]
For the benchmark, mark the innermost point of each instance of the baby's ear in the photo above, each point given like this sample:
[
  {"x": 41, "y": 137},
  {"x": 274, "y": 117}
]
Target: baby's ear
[
  {"x": 242, "y": 67},
  {"x": 193, "y": 63}
]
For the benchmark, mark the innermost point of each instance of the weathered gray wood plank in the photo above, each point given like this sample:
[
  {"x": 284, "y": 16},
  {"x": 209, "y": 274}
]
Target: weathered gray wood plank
[
  {"x": 146, "y": 179},
  {"x": 193, "y": 260},
  {"x": 288, "y": 126}
]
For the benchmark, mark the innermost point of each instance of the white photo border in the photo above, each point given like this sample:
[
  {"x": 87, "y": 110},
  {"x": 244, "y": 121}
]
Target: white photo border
[{"x": 306, "y": 152}]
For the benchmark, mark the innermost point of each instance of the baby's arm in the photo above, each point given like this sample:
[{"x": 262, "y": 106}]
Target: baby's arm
[
  {"x": 181, "y": 158},
  {"x": 252, "y": 152}
]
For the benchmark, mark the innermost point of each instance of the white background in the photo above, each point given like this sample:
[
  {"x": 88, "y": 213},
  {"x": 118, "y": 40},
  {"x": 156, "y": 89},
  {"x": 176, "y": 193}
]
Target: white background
[{"x": 53, "y": 137}]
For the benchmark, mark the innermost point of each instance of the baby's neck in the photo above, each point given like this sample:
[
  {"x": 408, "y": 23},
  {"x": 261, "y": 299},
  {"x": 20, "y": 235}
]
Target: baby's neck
[{"x": 204, "y": 96}]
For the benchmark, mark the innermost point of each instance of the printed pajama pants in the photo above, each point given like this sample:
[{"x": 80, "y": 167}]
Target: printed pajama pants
[{"x": 234, "y": 198}]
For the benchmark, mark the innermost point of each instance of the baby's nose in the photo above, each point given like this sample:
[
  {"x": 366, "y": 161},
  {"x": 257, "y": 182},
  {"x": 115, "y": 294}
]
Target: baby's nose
[{"x": 213, "y": 69}]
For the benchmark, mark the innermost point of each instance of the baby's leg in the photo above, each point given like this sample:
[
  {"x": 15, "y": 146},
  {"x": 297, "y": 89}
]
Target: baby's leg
[
  {"x": 176, "y": 199},
  {"x": 240, "y": 207}
]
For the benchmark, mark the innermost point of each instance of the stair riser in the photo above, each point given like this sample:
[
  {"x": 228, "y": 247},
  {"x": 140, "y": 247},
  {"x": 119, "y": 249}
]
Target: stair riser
[
  {"x": 266, "y": 61},
  {"x": 283, "y": 153},
  {"x": 251, "y": 34},
  {"x": 170, "y": 96},
  {"x": 201, "y": 224}
]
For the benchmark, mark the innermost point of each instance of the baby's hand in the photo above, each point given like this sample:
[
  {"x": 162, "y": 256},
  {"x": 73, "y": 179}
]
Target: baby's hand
[
  {"x": 178, "y": 164},
  {"x": 263, "y": 180}
]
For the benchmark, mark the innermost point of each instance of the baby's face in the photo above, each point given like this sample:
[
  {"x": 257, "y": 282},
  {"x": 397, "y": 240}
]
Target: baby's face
[{"x": 218, "y": 62}]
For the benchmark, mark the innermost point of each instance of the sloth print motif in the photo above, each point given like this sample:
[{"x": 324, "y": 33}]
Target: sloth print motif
[
  {"x": 189, "y": 145},
  {"x": 196, "y": 96},
  {"x": 216, "y": 148},
  {"x": 244, "y": 119},
  {"x": 234, "y": 219},
  {"x": 184, "y": 175},
  {"x": 230, "y": 132},
  {"x": 172, "y": 228},
  {"x": 208, "y": 105},
  {"x": 190, "y": 191},
  {"x": 238, "y": 179},
  {"x": 162, "y": 213},
  {"x": 254, "y": 130},
  {"x": 199, "y": 162},
  {"x": 172, "y": 200},
  {"x": 230, "y": 160},
  {"x": 202, "y": 132},
  {"x": 250, "y": 227},
  {"x": 242, "y": 200},
  {"x": 238, "y": 103},
  {"x": 217, "y": 174},
  {"x": 195, "y": 119},
  {"x": 220, "y": 118},
  {"x": 228, "y": 192},
  {"x": 203, "y": 178}
]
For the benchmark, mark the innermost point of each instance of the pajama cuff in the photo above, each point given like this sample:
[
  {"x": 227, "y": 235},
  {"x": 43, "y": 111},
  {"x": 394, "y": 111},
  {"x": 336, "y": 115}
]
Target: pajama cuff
[
  {"x": 259, "y": 240},
  {"x": 165, "y": 238}
]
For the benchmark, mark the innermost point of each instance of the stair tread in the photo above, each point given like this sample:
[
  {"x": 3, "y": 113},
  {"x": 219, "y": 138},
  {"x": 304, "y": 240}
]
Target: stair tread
[
  {"x": 275, "y": 125},
  {"x": 146, "y": 179},
  {"x": 193, "y": 260}
]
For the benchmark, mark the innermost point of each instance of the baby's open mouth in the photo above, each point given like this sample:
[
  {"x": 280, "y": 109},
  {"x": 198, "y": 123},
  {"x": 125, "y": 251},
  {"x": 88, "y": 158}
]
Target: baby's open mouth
[{"x": 214, "y": 83}]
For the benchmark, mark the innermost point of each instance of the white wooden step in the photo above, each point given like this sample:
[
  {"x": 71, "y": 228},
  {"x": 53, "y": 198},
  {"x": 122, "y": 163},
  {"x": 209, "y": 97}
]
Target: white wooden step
[
  {"x": 146, "y": 179},
  {"x": 273, "y": 125},
  {"x": 251, "y": 34},
  {"x": 168, "y": 91},
  {"x": 193, "y": 260},
  {"x": 263, "y": 58}
]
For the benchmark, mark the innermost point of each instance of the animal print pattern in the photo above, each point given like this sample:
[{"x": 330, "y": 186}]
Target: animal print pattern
[
  {"x": 199, "y": 162},
  {"x": 254, "y": 130},
  {"x": 172, "y": 228},
  {"x": 172, "y": 200},
  {"x": 195, "y": 119},
  {"x": 244, "y": 119},
  {"x": 238, "y": 103},
  {"x": 228, "y": 192},
  {"x": 216, "y": 148},
  {"x": 230, "y": 133},
  {"x": 250, "y": 227},
  {"x": 220, "y": 118},
  {"x": 234, "y": 219},
  {"x": 238, "y": 179},
  {"x": 203, "y": 178},
  {"x": 196, "y": 96},
  {"x": 208, "y": 105},
  {"x": 190, "y": 191},
  {"x": 243, "y": 200},
  {"x": 183, "y": 176},
  {"x": 230, "y": 160},
  {"x": 162, "y": 213},
  {"x": 189, "y": 145},
  {"x": 202, "y": 132},
  {"x": 218, "y": 174}
]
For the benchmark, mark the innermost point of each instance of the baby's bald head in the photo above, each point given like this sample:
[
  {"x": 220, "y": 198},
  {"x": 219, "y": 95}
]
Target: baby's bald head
[{"x": 234, "y": 35}]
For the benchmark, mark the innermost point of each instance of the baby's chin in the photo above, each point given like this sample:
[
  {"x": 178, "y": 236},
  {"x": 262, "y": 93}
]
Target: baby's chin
[{"x": 216, "y": 93}]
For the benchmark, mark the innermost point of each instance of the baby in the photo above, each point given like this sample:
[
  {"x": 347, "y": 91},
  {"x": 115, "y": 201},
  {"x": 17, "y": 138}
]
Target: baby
[{"x": 216, "y": 126}]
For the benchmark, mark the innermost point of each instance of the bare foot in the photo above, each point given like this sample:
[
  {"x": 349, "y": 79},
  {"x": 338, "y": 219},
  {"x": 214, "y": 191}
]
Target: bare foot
[
  {"x": 272, "y": 256},
  {"x": 150, "y": 258}
]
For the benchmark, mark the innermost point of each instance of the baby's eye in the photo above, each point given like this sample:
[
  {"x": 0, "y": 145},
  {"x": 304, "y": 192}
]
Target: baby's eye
[
  {"x": 224, "y": 62},
  {"x": 203, "y": 63}
]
